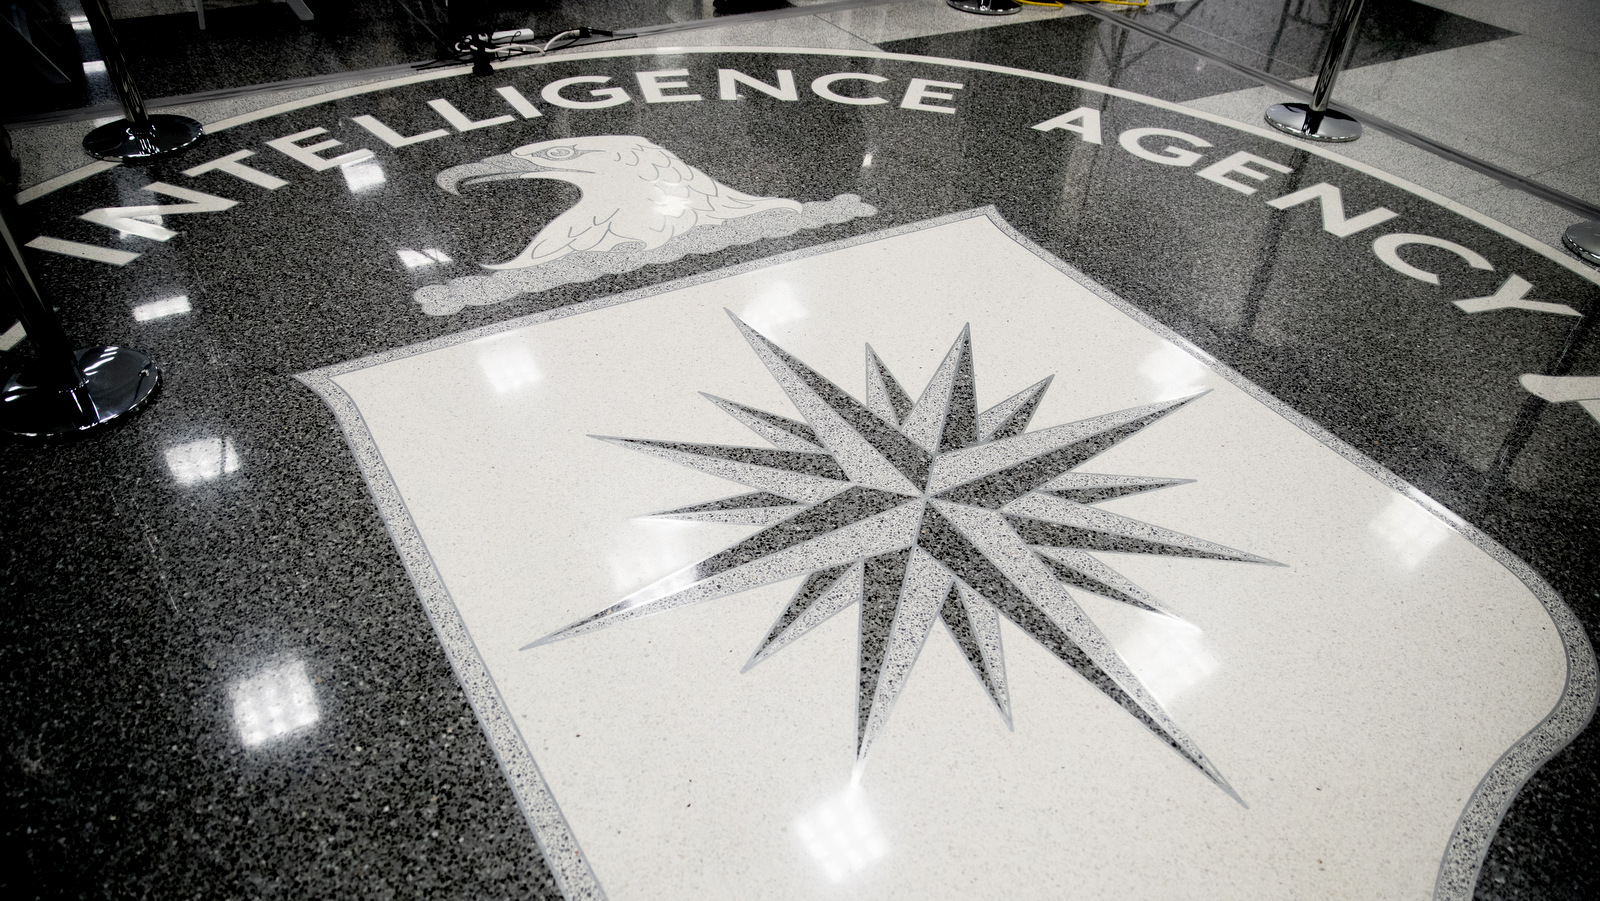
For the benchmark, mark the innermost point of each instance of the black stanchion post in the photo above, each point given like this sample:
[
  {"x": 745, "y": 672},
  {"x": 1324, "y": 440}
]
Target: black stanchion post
[
  {"x": 1315, "y": 121},
  {"x": 64, "y": 390},
  {"x": 986, "y": 7},
  {"x": 1583, "y": 239},
  {"x": 139, "y": 136}
]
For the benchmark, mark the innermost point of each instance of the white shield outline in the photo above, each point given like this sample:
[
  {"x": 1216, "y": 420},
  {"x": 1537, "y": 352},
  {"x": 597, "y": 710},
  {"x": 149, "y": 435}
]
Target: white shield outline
[{"x": 1474, "y": 829}]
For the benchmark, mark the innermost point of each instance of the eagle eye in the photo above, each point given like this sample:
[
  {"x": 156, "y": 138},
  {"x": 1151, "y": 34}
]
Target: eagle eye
[{"x": 558, "y": 153}]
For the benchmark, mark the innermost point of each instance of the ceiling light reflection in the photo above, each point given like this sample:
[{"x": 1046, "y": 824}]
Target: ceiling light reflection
[
  {"x": 203, "y": 460},
  {"x": 508, "y": 366},
  {"x": 1173, "y": 372},
  {"x": 778, "y": 304},
  {"x": 1411, "y": 531},
  {"x": 362, "y": 176},
  {"x": 79, "y": 23},
  {"x": 842, "y": 834},
  {"x": 153, "y": 218},
  {"x": 160, "y": 309},
  {"x": 647, "y": 547},
  {"x": 1169, "y": 655},
  {"x": 94, "y": 67},
  {"x": 415, "y": 259},
  {"x": 274, "y": 704},
  {"x": 671, "y": 206},
  {"x": 103, "y": 357}
]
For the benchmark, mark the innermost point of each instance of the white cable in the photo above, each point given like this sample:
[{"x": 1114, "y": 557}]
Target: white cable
[{"x": 574, "y": 32}]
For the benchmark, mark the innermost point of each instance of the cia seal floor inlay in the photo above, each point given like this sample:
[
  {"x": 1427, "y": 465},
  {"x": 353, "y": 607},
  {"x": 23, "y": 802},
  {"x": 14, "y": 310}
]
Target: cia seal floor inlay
[
  {"x": 765, "y": 472},
  {"x": 945, "y": 513}
]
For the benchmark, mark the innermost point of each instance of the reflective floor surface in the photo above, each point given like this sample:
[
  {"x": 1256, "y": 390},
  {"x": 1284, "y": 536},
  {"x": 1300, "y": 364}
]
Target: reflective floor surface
[{"x": 864, "y": 454}]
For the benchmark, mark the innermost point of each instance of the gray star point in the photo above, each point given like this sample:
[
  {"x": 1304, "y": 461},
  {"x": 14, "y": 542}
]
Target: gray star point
[{"x": 927, "y": 512}]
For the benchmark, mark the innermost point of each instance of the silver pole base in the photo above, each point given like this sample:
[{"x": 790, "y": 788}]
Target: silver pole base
[
  {"x": 120, "y": 141},
  {"x": 1583, "y": 239},
  {"x": 1293, "y": 119},
  {"x": 986, "y": 7},
  {"x": 116, "y": 381}
]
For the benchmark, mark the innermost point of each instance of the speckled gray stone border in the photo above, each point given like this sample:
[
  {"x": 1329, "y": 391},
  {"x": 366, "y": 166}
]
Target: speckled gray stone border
[
  {"x": 1469, "y": 841},
  {"x": 550, "y": 830}
]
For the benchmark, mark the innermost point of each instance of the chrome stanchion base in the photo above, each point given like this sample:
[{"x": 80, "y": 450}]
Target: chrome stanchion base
[
  {"x": 1292, "y": 118},
  {"x": 116, "y": 381},
  {"x": 1583, "y": 239},
  {"x": 986, "y": 7},
  {"x": 120, "y": 141}
]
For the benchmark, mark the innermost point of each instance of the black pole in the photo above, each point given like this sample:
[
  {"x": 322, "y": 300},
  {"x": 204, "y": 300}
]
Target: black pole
[
  {"x": 1315, "y": 121},
  {"x": 1583, "y": 239},
  {"x": 1334, "y": 57},
  {"x": 57, "y": 363},
  {"x": 139, "y": 135},
  {"x": 63, "y": 390},
  {"x": 99, "y": 16}
]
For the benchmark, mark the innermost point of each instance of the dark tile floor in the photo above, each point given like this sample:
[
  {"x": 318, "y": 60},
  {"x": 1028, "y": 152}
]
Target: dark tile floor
[
  {"x": 260, "y": 43},
  {"x": 1285, "y": 39},
  {"x": 134, "y": 600}
]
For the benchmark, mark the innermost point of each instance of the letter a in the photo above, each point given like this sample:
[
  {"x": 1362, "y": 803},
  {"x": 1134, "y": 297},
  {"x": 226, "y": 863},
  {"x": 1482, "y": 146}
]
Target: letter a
[{"x": 1083, "y": 120}]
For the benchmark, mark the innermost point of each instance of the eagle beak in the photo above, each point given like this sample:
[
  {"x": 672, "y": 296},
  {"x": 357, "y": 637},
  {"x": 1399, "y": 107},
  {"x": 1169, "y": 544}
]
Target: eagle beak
[{"x": 494, "y": 168}]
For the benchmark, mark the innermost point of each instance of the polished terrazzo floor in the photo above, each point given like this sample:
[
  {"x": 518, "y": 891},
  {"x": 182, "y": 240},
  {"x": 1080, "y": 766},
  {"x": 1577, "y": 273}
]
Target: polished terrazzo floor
[{"x": 1092, "y": 492}]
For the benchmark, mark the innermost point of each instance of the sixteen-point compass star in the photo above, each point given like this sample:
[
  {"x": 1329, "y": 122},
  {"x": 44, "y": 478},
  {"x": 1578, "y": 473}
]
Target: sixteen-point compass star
[{"x": 923, "y": 512}]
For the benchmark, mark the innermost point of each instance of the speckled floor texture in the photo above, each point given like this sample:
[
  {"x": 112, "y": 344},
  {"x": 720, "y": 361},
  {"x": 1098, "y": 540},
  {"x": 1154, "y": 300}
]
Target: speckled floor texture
[{"x": 1094, "y": 492}]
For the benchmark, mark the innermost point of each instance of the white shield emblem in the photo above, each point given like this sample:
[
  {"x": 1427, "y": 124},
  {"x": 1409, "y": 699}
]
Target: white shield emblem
[{"x": 1026, "y": 600}]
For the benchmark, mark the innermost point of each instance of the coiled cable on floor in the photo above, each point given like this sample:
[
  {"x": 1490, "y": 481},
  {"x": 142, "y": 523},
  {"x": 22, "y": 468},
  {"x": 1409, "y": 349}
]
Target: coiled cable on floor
[{"x": 484, "y": 48}]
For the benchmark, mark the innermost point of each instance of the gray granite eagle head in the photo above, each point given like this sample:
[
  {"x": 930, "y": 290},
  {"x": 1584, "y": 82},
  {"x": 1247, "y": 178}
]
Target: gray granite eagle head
[{"x": 636, "y": 194}]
